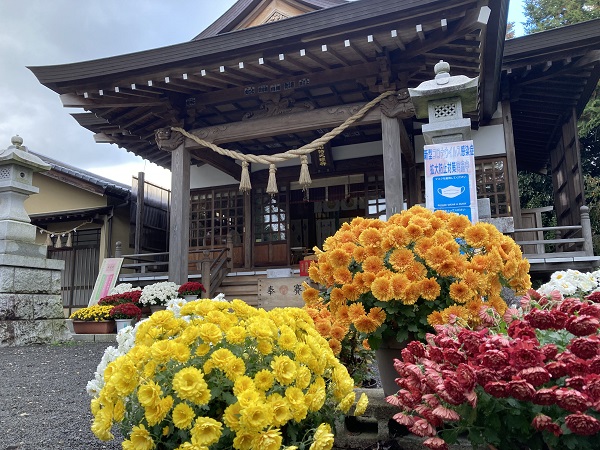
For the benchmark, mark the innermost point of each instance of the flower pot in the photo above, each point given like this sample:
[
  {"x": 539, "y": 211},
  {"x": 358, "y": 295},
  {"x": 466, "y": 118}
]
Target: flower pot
[
  {"x": 122, "y": 323},
  {"x": 190, "y": 298},
  {"x": 91, "y": 327},
  {"x": 385, "y": 355},
  {"x": 154, "y": 308}
]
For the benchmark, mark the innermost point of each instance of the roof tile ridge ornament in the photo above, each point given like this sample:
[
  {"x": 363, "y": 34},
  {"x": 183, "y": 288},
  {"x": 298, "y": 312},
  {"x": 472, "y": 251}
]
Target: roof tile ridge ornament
[
  {"x": 167, "y": 139},
  {"x": 398, "y": 106}
]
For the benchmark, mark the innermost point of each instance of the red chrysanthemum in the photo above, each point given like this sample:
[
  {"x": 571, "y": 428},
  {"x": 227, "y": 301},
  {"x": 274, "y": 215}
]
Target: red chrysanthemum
[
  {"x": 465, "y": 375},
  {"x": 569, "y": 305},
  {"x": 582, "y": 325},
  {"x": 523, "y": 330},
  {"x": 594, "y": 365},
  {"x": 403, "y": 419},
  {"x": 541, "y": 319},
  {"x": 591, "y": 310},
  {"x": 471, "y": 340},
  {"x": 494, "y": 359},
  {"x": 592, "y": 384},
  {"x": 416, "y": 348},
  {"x": 594, "y": 297},
  {"x": 582, "y": 424},
  {"x": 422, "y": 428},
  {"x": 454, "y": 356},
  {"x": 550, "y": 351},
  {"x": 557, "y": 369},
  {"x": 572, "y": 400},
  {"x": 435, "y": 354},
  {"x": 542, "y": 422},
  {"x": 536, "y": 376},
  {"x": 525, "y": 354},
  {"x": 485, "y": 376},
  {"x": 586, "y": 348},
  {"x": 576, "y": 382},
  {"x": 521, "y": 390},
  {"x": 498, "y": 389},
  {"x": 435, "y": 443},
  {"x": 545, "y": 397}
]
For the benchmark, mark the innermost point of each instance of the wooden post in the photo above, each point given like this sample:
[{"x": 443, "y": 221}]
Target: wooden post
[
  {"x": 511, "y": 162},
  {"x": 139, "y": 213},
  {"x": 179, "y": 241},
  {"x": 392, "y": 165},
  {"x": 118, "y": 250},
  {"x": 248, "y": 232},
  {"x": 586, "y": 231},
  {"x": 206, "y": 262}
]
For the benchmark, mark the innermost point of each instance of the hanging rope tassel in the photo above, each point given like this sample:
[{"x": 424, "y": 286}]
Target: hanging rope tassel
[
  {"x": 272, "y": 184},
  {"x": 304, "y": 180},
  {"x": 245, "y": 184},
  {"x": 69, "y": 240},
  {"x": 48, "y": 240},
  {"x": 58, "y": 243}
]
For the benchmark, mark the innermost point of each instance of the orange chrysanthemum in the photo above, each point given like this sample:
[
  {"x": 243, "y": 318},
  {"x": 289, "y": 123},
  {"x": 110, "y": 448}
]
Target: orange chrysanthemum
[
  {"x": 414, "y": 232},
  {"x": 476, "y": 236},
  {"x": 436, "y": 256},
  {"x": 356, "y": 310},
  {"x": 310, "y": 295},
  {"x": 339, "y": 258},
  {"x": 371, "y": 237},
  {"x": 378, "y": 315},
  {"x": 435, "y": 318},
  {"x": 365, "y": 324},
  {"x": 342, "y": 275},
  {"x": 498, "y": 303},
  {"x": 399, "y": 283},
  {"x": 416, "y": 271},
  {"x": 365, "y": 344},
  {"x": 430, "y": 289},
  {"x": 457, "y": 224},
  {"x": 323, "y": 327},
  {"x": 401, "y": 258},
  {"x": 338, "y": 332},
  {"x": 382, "y": 289},
  {"x": 423, "y": 246},
  {"x": 372, "y": 264},
  {"x": 398, "y": 236},
  {"x": 460, "y": 292},
  {"x": 359, "y": 254},
  {"x": 335, "y": 346},
  {"x": 451, "y": 313}
]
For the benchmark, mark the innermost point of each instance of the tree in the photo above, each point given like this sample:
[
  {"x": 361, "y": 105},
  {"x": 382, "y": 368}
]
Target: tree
[{"x": 547, "y": 14}]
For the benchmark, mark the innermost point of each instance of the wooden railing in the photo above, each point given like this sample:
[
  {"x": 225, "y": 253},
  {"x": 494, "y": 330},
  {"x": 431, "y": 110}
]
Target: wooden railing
[
  {"x": 212, "y": 264},
  {"x": 557, "y": 242}
]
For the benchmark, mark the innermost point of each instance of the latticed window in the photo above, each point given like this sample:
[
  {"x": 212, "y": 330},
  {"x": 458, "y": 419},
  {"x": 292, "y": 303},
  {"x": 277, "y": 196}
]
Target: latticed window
[
  {"x": 214, "y": 214},
  {"x": 270, "y": 216},
  {"x": 376, "y": 197},
  {"x": 492, "y": 183}
]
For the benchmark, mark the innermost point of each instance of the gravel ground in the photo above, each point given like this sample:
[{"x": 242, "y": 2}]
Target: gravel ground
[{"x": 43, "y": 402}]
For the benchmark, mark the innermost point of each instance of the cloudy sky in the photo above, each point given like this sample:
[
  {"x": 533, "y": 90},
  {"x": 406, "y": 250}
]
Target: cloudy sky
[{"x": 48, "y": 32}]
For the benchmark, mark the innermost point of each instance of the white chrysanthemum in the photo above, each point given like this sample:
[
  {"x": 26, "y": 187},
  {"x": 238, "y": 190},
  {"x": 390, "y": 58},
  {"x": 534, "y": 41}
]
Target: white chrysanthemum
[
  {"x": 174, "y": 305},
  {"x": 94, "y": 387},
  {"x": 159, "y": 293},
  {"x": 122, "y": 288},
  {"x": 220, "y": 298}
]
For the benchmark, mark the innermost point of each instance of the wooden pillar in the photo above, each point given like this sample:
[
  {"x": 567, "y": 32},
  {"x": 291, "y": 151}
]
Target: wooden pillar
[
  {"x": 511, "y": 162},
  {"x": 392, "y": 165},
  {"x": 248, "y": 231},
  {"x": 179, "y": 236},
  {"x": 139, "y": 213}
]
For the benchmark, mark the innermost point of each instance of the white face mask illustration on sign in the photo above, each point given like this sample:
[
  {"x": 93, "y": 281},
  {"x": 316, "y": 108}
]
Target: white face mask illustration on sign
[{"x": 451, "y": 191}]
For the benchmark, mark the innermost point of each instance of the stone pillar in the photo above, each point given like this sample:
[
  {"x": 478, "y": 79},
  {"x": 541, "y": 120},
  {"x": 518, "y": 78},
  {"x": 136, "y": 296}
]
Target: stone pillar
[
  {"x": 31, "y": 310},
  {"x": 443, "y": 101}
]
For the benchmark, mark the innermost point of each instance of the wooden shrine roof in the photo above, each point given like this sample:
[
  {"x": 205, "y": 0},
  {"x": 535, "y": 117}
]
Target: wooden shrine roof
[
  {"x": 546, "y": 75},
  {"x": 335, "y": 56},
  {"x": 229, "y": 20}
]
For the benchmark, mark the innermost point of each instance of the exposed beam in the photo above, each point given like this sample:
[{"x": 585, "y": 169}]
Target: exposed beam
[
  {"x": 283, "y": 124},
  {"x": 223, "y": 163},
  {"x": 75, "y": 101}
]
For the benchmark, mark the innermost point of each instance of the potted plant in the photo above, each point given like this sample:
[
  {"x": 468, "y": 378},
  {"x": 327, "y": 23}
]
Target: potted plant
[
  {"x": 191, "y": 290},
  {"x": 529, "y": 381},
  {"x": 124, "y": 313},
  {"x": 393, "y": 281},
  {"x": 120, "y": 298},
  {"x": 227, "y": 376},
  {"x": 93, "y": 320},
  {"x": 157, "y": 295}
]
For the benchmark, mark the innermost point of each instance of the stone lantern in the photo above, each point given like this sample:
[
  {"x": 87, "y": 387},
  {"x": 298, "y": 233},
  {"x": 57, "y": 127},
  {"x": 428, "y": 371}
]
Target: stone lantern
[
  {"x": 31, "y": 309},
  {"x": 443, "y": 100}
]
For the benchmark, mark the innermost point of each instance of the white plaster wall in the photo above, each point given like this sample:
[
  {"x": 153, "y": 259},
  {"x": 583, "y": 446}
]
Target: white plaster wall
[
  {"x": 487, "y": 140},
  {"x": 207, "y": 176}
]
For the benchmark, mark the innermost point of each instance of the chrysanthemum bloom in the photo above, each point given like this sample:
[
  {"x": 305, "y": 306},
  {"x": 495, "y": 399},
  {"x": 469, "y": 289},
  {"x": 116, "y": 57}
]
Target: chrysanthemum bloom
[
  {"x": 323, "y": 438},
  {"x": 542, "y": 422},
  {"x": 139, "y": 439},
  {"x": 582, "y": 424}
]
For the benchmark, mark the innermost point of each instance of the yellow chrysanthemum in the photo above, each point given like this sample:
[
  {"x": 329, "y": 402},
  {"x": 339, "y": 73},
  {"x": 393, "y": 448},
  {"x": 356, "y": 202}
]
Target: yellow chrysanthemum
[
  {"x": 183, "y": 416},
  {"x": 139, "y": 439},
  {"x": 268, "y": 440},
  {"x": 361, "y": 405},
  {"x": 284, "y": 369},
  {"x": 323, "y": 438},
  {"x": 206, "y": 431}
]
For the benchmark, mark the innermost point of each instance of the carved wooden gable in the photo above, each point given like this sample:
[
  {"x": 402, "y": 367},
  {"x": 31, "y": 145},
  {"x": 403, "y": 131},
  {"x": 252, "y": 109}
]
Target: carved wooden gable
[{"x": 271, "y": 11}]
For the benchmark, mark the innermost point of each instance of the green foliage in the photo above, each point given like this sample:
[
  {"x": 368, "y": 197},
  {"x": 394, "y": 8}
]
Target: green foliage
[
  {"x": 548, "y": 14},
  {"x": 535, "y": 190}
]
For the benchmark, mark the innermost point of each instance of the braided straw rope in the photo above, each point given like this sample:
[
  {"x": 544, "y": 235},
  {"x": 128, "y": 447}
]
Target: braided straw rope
[{"x": 270, "y": 160}]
